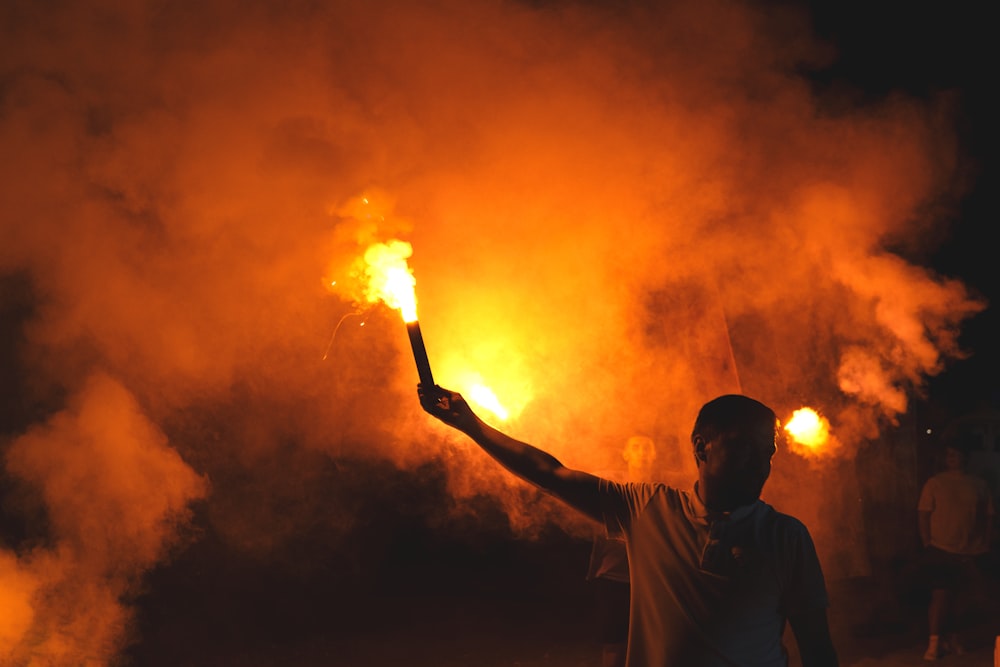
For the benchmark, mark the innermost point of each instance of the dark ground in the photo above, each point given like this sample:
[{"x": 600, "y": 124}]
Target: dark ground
[{"x": 506, "y": 604}]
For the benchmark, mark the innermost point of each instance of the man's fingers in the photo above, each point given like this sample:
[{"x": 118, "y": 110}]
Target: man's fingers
[{"x": 435, "y": 397}]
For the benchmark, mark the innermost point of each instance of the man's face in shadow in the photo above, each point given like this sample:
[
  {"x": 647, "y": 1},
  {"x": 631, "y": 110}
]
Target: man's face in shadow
[{"x": 734, "y": 467}]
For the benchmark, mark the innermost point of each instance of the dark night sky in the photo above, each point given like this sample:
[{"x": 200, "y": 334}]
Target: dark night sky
[{"x": 925, "y": 49}]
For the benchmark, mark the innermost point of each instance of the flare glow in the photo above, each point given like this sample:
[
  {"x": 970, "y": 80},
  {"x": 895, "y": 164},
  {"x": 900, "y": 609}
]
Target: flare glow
[
  {"x": 809, "y": 429},
  {"x": 484, "y": 397},
  {"x": 389, "y": 278},
  {"x": 391, "y": 281}
]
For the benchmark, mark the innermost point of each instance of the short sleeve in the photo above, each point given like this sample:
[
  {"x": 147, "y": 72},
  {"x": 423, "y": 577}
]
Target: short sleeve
[{"x": 621, "y": 503}]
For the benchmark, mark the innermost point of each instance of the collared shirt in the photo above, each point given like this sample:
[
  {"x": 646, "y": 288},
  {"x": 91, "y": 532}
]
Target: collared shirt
[{"x": 710, "y": 589}]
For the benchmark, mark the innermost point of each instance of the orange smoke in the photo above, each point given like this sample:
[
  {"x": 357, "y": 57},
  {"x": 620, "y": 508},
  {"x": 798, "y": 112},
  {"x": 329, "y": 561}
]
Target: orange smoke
[
  {"x": 115, "y": 494},
  {"x": 18, "y": 588},
  {"x": 619, "y": 215}
]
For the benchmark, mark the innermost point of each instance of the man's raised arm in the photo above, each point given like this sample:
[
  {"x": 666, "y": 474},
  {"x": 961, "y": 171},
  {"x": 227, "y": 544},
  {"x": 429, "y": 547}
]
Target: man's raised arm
[{"x": 578, "y": 489}]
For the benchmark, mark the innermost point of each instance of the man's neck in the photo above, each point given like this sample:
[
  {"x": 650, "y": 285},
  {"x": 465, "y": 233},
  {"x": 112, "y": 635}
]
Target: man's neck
[{"x": 715, "y": 504}]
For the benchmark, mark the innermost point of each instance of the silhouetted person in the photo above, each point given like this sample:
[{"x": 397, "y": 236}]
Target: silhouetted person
[
  {"x": 608, "y": 567},
  {"x": 609, "y": 576},
  {"x": 956, "y": 515},
  {"x": 715, "y": 572}
]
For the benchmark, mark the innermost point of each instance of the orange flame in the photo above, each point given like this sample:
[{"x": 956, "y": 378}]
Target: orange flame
[
  {"x": 809, "y": 431},
  {"x": 389, "y": 278}
]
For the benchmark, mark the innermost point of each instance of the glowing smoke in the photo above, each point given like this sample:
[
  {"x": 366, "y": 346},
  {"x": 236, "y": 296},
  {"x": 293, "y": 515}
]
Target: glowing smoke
[
  {"x": 615, "y": 216},
  {"x": 115, "y": 494}
]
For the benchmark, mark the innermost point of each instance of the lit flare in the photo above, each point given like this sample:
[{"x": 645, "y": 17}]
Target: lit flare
[
  {"x": 389, "y": 278},
  {"x": 391, "y": 282},
  {"x": 809, "y": 432}
]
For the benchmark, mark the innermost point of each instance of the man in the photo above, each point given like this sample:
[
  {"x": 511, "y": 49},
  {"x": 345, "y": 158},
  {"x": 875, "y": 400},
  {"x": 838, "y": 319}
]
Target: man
[
  {"x": 955, "y": 516},
  {"x": 716, "y": 573}
]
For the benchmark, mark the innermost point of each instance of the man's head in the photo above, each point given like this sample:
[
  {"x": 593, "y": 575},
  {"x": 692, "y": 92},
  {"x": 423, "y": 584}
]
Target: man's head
[
  {"x": 955, "y": 455},
  {"x": 733, "y": 440},
  {"x": 639, "y": 454}
]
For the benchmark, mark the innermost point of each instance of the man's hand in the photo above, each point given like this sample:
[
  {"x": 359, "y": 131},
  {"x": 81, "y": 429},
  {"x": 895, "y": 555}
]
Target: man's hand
[{"x": 448, "y": 406}]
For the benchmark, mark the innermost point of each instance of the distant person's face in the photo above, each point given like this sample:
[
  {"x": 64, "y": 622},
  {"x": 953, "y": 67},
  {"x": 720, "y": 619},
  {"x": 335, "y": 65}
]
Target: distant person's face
[
  {"x": 639, "y": 454},
  {"x": 953, "y": 459}
]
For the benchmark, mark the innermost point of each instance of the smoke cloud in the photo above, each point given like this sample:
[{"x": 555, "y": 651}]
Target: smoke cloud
[
  {"x": 115, "y": 495},
  {"x": 616, "y": 212}
]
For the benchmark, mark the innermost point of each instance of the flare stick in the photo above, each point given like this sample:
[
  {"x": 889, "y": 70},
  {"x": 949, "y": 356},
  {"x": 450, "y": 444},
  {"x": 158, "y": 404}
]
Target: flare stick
[{"x": 420, "y": 353}]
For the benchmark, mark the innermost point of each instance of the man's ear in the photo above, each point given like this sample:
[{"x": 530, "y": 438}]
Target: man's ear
[{"x": 699, "y": 447}]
